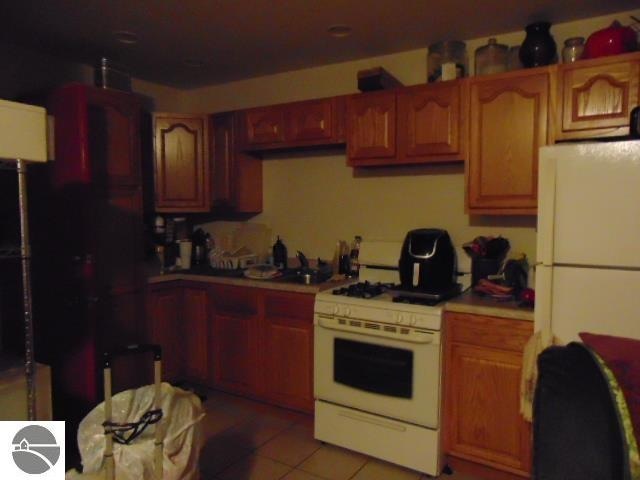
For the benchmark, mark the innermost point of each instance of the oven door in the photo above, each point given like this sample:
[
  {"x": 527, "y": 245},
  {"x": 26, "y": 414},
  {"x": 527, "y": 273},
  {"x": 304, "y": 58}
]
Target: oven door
[{"x": 378, "y": 372}]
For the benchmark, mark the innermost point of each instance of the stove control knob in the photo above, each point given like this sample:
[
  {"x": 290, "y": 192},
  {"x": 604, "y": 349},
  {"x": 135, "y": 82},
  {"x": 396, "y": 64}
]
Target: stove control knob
[
  {"x": 414, "y": 320},
  {"x": 335, "y": 310},
  {"x": 394, "y": 317},
  {"x": 401, "y": 319},
  {"x": 347, "y": 312}
]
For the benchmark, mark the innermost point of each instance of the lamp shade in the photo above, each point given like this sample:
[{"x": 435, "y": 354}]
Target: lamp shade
[{"x": 23, "y": 132}]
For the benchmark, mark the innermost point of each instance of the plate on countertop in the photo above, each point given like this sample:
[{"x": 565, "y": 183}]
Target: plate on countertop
[{"x": 261, "y": 272}]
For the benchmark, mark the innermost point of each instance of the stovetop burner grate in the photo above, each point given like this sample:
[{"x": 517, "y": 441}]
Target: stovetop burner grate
[{"x": 363, "y": 289}]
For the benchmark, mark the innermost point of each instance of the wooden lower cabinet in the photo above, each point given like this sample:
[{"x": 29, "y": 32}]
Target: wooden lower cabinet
[
  {"x": 262, "y": 344},
  {"x": 164, "y": 305},
  {"x": 247, "y": 341},
  {"x": 233, "y": 343},
  {"x": 234, "y": 348},
  {"x": 177, "y": 320},
  {"x": 195, "y": 324},
  {"x": 483, "y": 363},
  {"x": 287, "y": 349}
]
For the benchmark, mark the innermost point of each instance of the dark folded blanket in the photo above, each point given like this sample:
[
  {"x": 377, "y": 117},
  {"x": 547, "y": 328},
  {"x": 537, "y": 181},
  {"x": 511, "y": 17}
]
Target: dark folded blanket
[{"x": 619, "y": 361}]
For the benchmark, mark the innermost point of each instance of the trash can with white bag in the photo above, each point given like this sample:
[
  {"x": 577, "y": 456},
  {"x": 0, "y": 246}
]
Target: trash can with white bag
[{"x": 148, "y": 433}]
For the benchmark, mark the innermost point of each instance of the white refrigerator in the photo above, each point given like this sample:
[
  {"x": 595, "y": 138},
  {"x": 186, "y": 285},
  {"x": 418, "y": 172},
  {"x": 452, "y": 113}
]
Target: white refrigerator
[{"x": 588, "y": 239}]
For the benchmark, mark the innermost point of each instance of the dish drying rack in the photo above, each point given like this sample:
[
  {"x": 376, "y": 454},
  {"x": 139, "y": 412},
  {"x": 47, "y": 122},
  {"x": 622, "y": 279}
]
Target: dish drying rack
[{"x": 239, "y": 258}]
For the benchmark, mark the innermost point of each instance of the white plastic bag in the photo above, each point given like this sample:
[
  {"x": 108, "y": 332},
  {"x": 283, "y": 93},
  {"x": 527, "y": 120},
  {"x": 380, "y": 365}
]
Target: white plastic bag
[{"x": 182, "y": 412}]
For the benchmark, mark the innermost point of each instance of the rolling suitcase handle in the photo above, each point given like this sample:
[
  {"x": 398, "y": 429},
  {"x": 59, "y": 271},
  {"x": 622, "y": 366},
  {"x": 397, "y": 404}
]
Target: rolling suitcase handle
[{"x": 113, "y": 430}]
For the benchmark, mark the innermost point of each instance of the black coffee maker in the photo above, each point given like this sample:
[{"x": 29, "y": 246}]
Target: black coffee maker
[{"x": 428, "y": 262}]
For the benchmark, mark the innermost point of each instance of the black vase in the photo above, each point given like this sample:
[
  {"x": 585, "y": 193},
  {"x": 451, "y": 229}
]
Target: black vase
[{"x": 538, "y": 48}]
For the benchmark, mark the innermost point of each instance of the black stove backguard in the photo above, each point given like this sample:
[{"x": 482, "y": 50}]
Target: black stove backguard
[{"x": 427, "y": 261}]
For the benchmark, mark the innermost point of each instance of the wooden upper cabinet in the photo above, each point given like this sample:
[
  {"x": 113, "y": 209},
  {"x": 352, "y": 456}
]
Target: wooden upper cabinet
[
  {"x": 182, "y": 166},
  {"x": 297, "y": 124},
  {"x": 237, "y": 177},
  {"x": 421, "y": 124},
  {"x": 508, "y": 124},
  {"x": 114, "y": 135},
  {"x": 222, "y": 143},
  {"x": 311, "y": 120},
  {"x": 371, "y": 128},
  {"x": 596, "y": 96},
  {"x": 430, "y": 123},
  {"x": 265, "y": 125}
]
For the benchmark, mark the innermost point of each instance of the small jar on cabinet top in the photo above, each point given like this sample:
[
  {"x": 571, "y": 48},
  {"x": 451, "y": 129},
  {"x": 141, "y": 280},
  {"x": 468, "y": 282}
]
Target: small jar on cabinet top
[
  {"x": 491, "y": 58},
  {"x": 446, "y": 61},
  {"x": 572, "y": 50}
]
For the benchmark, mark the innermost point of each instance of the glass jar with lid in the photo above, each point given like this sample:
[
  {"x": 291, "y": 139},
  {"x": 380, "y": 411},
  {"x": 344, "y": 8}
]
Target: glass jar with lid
[
  {"x": 491, "y": 58},
  {"x": 572, "y": 50},
  {"x": 446, "y": 61}
]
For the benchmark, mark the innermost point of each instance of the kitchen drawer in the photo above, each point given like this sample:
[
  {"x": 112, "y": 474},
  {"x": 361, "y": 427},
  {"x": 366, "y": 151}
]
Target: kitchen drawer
[
  {"x": 289, "y": 305},
  {"x": 485, "y": 331},
  {"x": 234, "y": 300}
]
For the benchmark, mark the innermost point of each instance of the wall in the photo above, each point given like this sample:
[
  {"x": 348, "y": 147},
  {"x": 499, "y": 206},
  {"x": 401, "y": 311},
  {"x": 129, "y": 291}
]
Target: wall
[{"x": 313, "y": 199}]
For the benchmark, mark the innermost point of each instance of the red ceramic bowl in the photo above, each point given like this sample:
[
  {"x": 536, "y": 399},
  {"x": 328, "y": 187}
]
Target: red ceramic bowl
[{"x": 612, "y": 40}]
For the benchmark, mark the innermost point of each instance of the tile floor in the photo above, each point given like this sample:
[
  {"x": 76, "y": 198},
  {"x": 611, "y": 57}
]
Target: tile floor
[{"x": 245, "y": 440}]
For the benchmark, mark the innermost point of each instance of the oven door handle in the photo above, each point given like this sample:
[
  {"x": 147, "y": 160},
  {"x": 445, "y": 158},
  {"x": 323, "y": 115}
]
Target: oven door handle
[{"x": 377, "y": 330}]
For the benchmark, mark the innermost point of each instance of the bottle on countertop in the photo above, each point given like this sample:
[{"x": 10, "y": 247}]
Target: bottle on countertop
[
  {"x": 345, "y": 259},
  {"x": 355, "y": 252},
  {"x": 279, "y": 254}
]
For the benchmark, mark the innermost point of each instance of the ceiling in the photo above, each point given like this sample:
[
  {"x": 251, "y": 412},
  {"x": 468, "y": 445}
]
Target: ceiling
[{"x": 236, "y": 39}]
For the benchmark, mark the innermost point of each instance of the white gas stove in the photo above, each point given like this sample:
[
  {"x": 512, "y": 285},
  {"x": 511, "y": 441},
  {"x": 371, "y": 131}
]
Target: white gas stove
[{"x": 378, "y": 366}]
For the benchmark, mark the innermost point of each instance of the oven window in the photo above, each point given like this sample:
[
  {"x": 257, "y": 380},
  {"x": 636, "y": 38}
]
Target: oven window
[{"x": 374, "y": 368}]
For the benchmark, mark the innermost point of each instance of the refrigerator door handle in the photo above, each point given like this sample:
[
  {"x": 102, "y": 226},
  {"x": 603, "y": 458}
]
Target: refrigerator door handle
[{"x": 546, "y": 206}]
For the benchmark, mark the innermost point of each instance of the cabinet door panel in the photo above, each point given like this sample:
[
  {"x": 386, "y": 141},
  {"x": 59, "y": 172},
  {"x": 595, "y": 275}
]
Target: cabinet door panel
[
  {"x": 287, "y": 349},
  {"x": 430, "y": 123},
  {"x": 310, "y": 120},
  {"x": 120, "y": 255},
  {"x": 508, "y": 125},
  {"x": 597, "y": 96},
  {"x": 235, "y": 301},
  {"x": 114, "y": 136},
  {"x": 371, "y": 127},
  {"x": 486, "y": 405},
  {"x": 222, "y": 144},
  {"x": 164, "y": 309},
  {"x": 483, "y": 365},
  {"x": 234, "y": 353},
  {"x": 237, "y": 176},
  {"x": 195, "y": 324},
  {"x": 265, "y": 125},
  {"x": 182, "y": 170}
]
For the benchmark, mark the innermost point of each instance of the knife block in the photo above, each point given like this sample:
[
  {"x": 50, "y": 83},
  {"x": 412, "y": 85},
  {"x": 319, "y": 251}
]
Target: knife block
[{"x": 482, "y": 268}]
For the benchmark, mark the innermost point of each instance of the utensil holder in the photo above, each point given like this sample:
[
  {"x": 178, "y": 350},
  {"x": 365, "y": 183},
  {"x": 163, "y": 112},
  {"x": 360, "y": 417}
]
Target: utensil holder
[{"x": 482, "y": 268}]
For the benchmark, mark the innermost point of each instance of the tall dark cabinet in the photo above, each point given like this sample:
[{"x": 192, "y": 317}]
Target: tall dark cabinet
[{"x": 89, "y": 278}]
